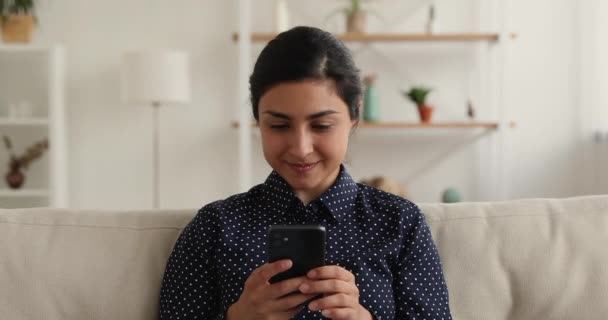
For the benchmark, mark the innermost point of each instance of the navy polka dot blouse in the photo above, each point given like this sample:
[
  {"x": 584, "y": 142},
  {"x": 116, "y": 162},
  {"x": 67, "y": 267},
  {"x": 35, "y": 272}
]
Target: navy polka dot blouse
[{"x": 381, "y": 238}]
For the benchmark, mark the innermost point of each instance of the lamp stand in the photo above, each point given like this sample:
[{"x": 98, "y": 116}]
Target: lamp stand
[{"x": 156, "y": 151}]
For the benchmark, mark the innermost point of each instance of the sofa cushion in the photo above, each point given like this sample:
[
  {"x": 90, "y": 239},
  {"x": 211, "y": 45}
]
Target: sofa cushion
[
  {"x": 525, "y": 259},
  {"x": 72, "y": 264}
]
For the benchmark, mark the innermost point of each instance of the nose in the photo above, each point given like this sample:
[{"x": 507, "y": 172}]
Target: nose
[{"x": 301, "y": 144}]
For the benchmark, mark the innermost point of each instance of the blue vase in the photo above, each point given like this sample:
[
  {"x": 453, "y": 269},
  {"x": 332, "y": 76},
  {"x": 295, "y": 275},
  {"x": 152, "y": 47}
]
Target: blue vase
[{"x": 371, "y": 108}]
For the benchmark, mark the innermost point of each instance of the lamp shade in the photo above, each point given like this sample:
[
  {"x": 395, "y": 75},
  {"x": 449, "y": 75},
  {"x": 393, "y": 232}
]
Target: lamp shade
[{"x": 156, "y": 76}]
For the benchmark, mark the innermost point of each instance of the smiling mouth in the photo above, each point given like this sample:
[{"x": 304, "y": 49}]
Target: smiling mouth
[{"x": 303, "y": 167}]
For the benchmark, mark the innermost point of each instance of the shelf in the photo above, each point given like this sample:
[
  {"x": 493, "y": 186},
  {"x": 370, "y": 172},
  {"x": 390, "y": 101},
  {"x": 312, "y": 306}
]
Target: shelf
[
  {"x": 24, "y": 121},
  {"x": 433, "y": 125},
  {"x": 27, "y": 48},
  {"x": 23, "y": 193},
  {"x": 418, "y": 125},
  {"x": 482, "y": 141},
  {"x": 395, "y": 37},
  {"x": 40, "y": 70}
]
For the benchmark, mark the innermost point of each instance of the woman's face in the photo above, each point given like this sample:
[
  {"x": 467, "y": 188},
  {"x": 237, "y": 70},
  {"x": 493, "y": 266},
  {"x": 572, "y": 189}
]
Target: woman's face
[{"x": 305, "y": 128}]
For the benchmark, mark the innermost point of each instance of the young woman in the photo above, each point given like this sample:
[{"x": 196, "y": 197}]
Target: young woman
[{"x": 381, "y": 260}]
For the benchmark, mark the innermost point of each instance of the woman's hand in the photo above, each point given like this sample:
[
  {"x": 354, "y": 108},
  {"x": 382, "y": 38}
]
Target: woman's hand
[
  {"x": 341, "y": 295},
  {"x": 262, "y": 300}
]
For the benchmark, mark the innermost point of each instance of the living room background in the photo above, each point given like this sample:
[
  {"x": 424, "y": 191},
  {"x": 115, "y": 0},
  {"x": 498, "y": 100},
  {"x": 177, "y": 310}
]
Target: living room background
[{"x": 554, "y": 77}]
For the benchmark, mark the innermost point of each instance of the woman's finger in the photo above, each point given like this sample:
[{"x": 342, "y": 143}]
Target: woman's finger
[
  {"x": 329, "y": 286},
  {"x": 263, "y": 274},
  {"x": 290, "y": 302},
  {"x": 338, "y": 300},
  {"x": 331, "y": 272},
  {"x": 340, "y": 313},
  {"x": 285, "y": 287}
]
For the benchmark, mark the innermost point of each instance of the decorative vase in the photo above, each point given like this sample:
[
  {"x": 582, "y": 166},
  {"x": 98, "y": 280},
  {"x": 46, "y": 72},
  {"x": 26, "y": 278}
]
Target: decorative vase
[
  {"x": 371, "y": 108},
  {"x": 450, "y": 195},
  {"x": 18, "y": 28},
  {"x": 356, "y": 22},
  {"x": 15, "y": 178},
  {"x": 425, "y": 112}
]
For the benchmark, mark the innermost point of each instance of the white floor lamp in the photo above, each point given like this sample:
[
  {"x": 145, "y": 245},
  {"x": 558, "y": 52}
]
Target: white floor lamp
[{"x": 156, "y": 77}]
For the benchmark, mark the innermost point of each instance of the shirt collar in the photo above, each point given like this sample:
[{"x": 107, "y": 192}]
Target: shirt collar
[{"x": 339, "y": 199}]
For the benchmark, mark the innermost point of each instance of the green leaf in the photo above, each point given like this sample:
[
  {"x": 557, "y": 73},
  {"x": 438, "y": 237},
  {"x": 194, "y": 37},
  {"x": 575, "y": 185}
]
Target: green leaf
[
  {"x": 8, "y": 7},
  {"x": 417, "y": 95}
]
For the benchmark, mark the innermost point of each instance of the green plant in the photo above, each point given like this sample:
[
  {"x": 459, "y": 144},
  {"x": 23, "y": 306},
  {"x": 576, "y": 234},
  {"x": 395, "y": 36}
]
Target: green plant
[
  {"x": 9, "y": 7},
  {"x": 355, "y": 5},
  {"x": 32, "y": 153},
  {"x": 417, "y": 95}
]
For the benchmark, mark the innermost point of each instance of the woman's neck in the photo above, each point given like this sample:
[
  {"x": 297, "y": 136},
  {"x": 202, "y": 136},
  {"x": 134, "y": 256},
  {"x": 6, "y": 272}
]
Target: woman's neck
[
  {"x": 309, "y": 195},
  {"x": 306, "y": 197}
]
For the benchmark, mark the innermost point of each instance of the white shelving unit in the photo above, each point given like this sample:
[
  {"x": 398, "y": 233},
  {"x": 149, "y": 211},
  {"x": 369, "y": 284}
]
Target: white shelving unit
[
  {"x": 34, "y": 74},
  {"x": 25, "y": 193},
  {"x": 18, "y": 122},
  {"x": 491, "y": 51}
]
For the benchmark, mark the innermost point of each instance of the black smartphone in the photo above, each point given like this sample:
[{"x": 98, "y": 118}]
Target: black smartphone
[{"x": 304, "y": 245}]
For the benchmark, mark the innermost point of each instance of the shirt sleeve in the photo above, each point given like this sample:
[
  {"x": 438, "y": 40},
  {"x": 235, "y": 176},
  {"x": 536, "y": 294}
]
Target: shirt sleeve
[
  {"x": 419, "y": 284},
  {"x": 189, "y": 287}
]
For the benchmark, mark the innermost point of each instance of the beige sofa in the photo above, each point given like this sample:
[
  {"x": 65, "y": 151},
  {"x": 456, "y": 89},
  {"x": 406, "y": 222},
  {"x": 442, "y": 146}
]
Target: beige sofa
[{"x": 525, "y": 259}]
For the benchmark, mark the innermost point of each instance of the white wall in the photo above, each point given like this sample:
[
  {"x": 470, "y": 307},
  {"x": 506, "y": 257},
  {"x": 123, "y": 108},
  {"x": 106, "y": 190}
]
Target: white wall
[
  {"x": 600, "y": 105},
  {"x": 543, "y": 98},
  {"x": 110, "y": 144},
  {"x": 593, "y": 98}
]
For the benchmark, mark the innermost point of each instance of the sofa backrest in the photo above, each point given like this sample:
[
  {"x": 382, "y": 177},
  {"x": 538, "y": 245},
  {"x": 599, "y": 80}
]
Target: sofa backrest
[
  {"x": 74, "y": 264},
  {"x": 524, "y": 259}
]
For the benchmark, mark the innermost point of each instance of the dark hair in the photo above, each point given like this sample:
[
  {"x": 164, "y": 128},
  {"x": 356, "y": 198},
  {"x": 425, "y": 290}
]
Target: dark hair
[{"x": 306, "y": 53}]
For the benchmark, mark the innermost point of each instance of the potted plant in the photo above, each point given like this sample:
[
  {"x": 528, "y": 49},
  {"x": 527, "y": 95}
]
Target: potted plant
[
  {"x": 418, "y": 96},
  {"x": 17, "y": 20},
  {"x": 356, "y": 18},
  {"x": 15, "y": 176}
]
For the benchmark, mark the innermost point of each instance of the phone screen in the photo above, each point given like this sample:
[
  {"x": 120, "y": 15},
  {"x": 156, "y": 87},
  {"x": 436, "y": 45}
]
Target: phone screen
[{"x": 304, "y": 245}]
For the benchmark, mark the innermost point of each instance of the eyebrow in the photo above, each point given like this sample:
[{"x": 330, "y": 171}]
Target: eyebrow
[{"x": 310, "y": 117}]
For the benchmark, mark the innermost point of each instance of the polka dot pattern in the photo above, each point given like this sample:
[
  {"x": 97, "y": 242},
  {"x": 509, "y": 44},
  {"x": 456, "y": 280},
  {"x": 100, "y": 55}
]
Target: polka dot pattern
[{"x": 381, "y": 238}]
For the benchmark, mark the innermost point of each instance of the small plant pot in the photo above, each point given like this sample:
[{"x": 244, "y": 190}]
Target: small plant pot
[
  {"x": 356, "y": 22},
  {"x": 425, "y": 112},
  {"x": 18, "y": 28}
]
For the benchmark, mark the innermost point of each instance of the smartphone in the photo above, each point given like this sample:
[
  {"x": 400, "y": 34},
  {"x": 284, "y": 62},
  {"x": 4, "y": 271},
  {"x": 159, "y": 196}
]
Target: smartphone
[{"x": 304, "y": 245}]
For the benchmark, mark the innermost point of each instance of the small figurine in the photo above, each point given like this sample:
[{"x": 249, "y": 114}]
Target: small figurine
[
  {"x": 432, "y": 24},
  {"x": 470, "y": 110}
]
